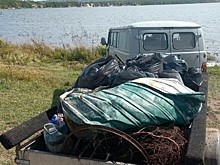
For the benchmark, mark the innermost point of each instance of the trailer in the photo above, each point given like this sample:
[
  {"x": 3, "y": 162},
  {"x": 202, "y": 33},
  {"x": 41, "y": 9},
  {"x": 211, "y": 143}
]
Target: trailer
[{"x": 202, "y": 147}]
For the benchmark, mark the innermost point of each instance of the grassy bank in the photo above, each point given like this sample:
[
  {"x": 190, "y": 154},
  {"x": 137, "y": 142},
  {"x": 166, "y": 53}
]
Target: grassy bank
[{"x": 32, "y": 76}]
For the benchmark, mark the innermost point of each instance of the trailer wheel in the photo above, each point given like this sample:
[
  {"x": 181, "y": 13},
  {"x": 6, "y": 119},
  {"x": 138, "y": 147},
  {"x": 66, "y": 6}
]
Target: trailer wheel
[{"x": 212, "y": 147}]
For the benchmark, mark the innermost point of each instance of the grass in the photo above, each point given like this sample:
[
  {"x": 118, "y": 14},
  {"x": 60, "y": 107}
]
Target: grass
[
  {"x": 214, "y": 98},
  {"x": 28, "y": 91},
  {"x": 38, "y": 53},
  {"x": 24, "y": 87},
  {"x": 214, "y": 85},
  {"x": 32, "y": 76}
]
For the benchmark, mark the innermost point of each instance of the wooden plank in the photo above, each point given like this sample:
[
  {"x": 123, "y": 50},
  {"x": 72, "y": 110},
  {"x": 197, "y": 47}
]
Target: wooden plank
[{"x": 21, "y": 132}]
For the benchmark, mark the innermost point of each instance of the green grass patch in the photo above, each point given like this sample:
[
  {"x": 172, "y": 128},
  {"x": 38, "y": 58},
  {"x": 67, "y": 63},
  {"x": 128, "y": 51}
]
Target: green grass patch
[
  {"x": 214, "y": 85},
  {"x": 29, "y": 91}
]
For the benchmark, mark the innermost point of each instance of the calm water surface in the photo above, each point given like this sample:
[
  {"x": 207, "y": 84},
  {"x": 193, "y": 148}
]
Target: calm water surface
[{"x": 75, "y": 26}]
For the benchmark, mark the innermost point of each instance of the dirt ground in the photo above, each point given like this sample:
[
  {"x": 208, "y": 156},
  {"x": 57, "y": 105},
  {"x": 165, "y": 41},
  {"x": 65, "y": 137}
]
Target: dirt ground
[{"x": 213, "y": 115}]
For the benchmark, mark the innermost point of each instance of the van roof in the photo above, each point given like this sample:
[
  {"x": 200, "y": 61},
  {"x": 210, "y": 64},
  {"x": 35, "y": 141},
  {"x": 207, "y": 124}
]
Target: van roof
[{"x": 160, "y": 24}]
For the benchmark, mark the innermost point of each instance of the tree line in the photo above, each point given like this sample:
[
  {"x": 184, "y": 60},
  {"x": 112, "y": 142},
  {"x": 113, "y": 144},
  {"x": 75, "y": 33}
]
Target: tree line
[{"x": 6, "y": 4}]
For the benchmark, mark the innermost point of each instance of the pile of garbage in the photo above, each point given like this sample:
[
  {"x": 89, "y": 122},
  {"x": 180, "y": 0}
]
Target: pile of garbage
[
  {"x": 135, "y": 112},
  {"x": 111, "y": 72}
]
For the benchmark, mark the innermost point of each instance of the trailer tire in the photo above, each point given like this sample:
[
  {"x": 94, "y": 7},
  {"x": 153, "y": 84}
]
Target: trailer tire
[{"x": 212, "y": 147}]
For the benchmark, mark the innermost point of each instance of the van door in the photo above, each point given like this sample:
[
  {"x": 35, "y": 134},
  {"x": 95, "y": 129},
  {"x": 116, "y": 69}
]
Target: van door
[
  {"x": 123, "y": 50},
  {"x": 152, "y": 41},
  {"x": 121, "y": 44},
  {"x": 185, "y": 45}
]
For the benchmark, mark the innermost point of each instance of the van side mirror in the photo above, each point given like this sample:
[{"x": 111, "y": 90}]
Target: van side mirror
[{"x": 103, "y": 41}]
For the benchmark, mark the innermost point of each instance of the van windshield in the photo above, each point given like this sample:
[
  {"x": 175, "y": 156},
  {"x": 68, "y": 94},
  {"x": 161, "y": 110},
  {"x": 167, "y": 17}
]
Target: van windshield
[{"x": 155, "y": 41}]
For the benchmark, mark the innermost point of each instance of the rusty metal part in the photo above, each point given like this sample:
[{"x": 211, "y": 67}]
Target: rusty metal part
[
  {"x": 117, "y": 132},
  {"x": 164, "y": 146}
]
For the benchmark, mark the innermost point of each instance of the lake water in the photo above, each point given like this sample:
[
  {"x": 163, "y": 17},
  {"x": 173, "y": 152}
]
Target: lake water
[{"x": 86, "y": 25}]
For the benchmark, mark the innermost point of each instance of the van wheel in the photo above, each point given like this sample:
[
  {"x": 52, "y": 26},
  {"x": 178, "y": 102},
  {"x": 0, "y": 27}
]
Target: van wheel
[{"x": 212, "y": 147}]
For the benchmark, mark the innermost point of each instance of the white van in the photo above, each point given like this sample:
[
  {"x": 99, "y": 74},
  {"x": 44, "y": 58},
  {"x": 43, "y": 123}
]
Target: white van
[{"x": 182, "y": 39}]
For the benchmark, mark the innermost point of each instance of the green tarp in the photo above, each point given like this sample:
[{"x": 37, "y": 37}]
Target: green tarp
[{"x": 135, "y": 104}]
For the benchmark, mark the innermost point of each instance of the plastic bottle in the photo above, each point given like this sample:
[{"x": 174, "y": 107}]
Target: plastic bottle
[
  {"x": 60, "y": 124},
  {"x": 54, "y": 119},
  {"x": 54, "y": 139}
]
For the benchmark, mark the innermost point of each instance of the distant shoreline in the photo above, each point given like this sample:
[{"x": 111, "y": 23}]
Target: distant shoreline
[{"x": 67, "y": 4}]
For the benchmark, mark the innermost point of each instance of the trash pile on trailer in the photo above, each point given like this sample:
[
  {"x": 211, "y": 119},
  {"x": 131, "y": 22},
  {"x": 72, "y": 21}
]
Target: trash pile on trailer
[{"x": 137, "y": 112}]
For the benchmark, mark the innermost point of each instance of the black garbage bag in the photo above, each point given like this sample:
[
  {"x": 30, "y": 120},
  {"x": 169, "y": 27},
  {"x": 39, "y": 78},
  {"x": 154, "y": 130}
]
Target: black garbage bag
[
  {"x": 192, "y": 78},
  {"x": 173, "y": 62},
  {"x": 171, "y": 73},
  {"x": 127, "y": 74},
  {"x": 97, "y": 73},
  {"x": 150, "y": 63},
  {"x": 149, "y": 74}
]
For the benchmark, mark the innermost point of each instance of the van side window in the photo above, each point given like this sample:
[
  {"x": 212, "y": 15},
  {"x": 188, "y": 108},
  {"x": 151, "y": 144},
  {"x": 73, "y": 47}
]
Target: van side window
[
  {"x": 183, "y": 40},
  {"x": 155, "y": 41},
  {"x": 113, "y": 38}
]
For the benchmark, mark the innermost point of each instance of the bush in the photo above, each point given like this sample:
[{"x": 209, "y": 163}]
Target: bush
[
  {"x": 210, "y": 58},
  {"x": 101, "y": 50}
]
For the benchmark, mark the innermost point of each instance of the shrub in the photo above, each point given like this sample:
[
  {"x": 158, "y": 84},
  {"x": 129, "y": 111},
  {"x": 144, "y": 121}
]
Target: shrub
[{"x": 210, "y": 58}]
